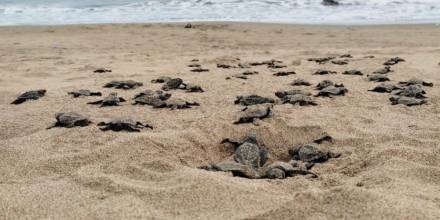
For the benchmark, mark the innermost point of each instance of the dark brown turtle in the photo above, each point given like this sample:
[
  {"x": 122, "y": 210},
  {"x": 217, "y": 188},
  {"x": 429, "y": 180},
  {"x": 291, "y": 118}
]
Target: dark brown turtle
[
  {"x": 177, "y": 103},
  {"x": 151, "y": 101},
  {"x": 125, "y": 124},
  {"x": 102, "y": 70},
  {"x": 346, "y": 56},
  {"x": 310, "y": 153},
  {"x": 393, "y": 61},
  {"x": 300, "y": 99},
  {"x": 252, "y": 100},
  {"x": 300, "y": 82},
  {"x": 172, "y": 84},
  {"x": 154, "y": 93},
  {"x": 384, "y": 88},
  {"x": 111, "y": 100},
  {"x": 161, "y": 79},
  {"x": 84, "y": 92},
  {"x": 276, "y": 65},
  {"x": 340, "y": 62},
  {"x": 321, "y": 60},
  {"x": 284, "y": 73},
  {"x": 126, "y": 84},
  {"x": 408, "y": 101},
  {"x": 247, "y": 73},
  {"x": 323, "y": 72},
  {"x": 330, "y": 2},
  {"x": 199, "y": 69},
  {"x": 415, "y": 91},
  {"x": 190, "y": 87},
  {"x": 384, "y": 70},
  {"x": 244, "y": 65},
  {"x": 224, "y": 66},
  {"x": 281, "y": 170},
  {"x": 29, "y": 95},
  {"x": 415, "y": 81},
  {"x": 194, "y": 65},
  {"x": 251, "y": 113},
  {"x": 353, "y": 72},
  {"x": 332, "y": 91},
  {"x": 282, "y": 94},
  {"x": 69, "y": 120},
  {"x": 378, "y": 78},
  {"x": 326, "y": 83},
  {"x": 189, "y": 26}
]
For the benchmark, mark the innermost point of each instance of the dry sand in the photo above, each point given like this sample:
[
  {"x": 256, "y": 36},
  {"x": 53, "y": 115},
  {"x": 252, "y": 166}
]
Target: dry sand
[{"x": 389, "y": 167}]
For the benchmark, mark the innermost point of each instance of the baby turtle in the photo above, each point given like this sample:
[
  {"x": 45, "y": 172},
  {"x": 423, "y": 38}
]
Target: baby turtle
[
  {"x": 224, "y": 66},
  {"x": 151, "y": 101},
  {"x": 330, "y": 2},
  {"x": 416, "y": 82},
  {"x": 300, "y": 99},
  {"x": 340, "y": 62},
  {"x": 321, "y": 60},
  {"x": 69, "y": 120},
  {"x": 275, "y": 66},
  {"x": 161, "y": 79},
  {"x": 393, "y": 61},
  {"x": 189, "y": 87},
  {"x": 247, "y": 73},
  {"x": 194, "y": 65},
  {"x": 408, "y": 101},
  {"x": 237, "y": 169},
  {"x": 378, "y": 78},
  {"x": 346, "y": 56},
  {"x": 123, "y": 125},
  {"x": 385, "y": 70},
  {"x": 84, "y": 92},
  {"x": 415, "y": 91},
  {"x": 323, "y": 72},
  {"x": 102, "y": 70},
  {"x": 288, "y": 170},
  {"x": 172, "y": 84},
  {"x": 300, "y": 82},
  {"x": 126, "y": 84},
  {"x": 353, "y": 72},
  {"x": 29, "y": 95},
  {"x": 239, "y": 76},
  {"x": 384, "y": 88},
  {"x": 310, "y": 153},
  {"x": 282, "y": 94},
  {"x": 199, "y": 70},
  {"x": 332, "y": 91},
  {"x": 284, "y": 73},
  {"x": 178, "y": 103},
  {"x": 111, "y": 100},
  {"x": 326, "y": 83},
  {"x": 252, "y": 100},
  {"x": 252, "y": 113},
  {"x": 154, "y": 93}
]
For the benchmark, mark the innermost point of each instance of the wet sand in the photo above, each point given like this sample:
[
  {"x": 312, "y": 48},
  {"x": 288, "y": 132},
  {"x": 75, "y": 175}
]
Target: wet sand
[{"x": 389, "y": 168}]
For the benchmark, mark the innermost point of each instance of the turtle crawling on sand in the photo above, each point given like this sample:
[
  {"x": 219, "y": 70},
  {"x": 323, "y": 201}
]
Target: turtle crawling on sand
[
  {"x": 321, "y": 60},
  {"x": 199, "y": 70},
  {"x": 175, "y": 83},
  {"x": 340, "y": 62},
  {"x": 252, "y": 100},
  {"x": 415, "y": 91},
  {"x": 282, "y": 94},
  {"x": 378, "y": 78},
  {"x": 161, "y": 79},
  {"x": 311, "y": 153},
  {"x": 152, "y": 98},
  {"x": 178, "y": 103},
  {"x": 330, "y": 91},
  {"x": 393, "y": 61},
  {"x": 125, "y": 84},
  {"x": 69, "y": 120},
  {"x": 300, "y": 82},
  {"x": 385, "y": 70},
  {"x": 29, "y": 95},
  {"x": 416, "y": 82},
  {"x": 300, "y": 99},
  {"x": 123, "y": 125},
  {"x": 84, "y": 92},
  {"x": 408, "y": 101},
  {"x": 255, "y": 112},
  {"x": 384, "y": 88},
  {"x": 154, "y": 93},
  {"x": 326, "y": 83},
  {"x": 284, "y": 73},
  {"x": 324, "y": 72},
  {"x": 353, "y": 72},
  {"x": 190, "y": 87},
  {"x": 111, "y": 100}
]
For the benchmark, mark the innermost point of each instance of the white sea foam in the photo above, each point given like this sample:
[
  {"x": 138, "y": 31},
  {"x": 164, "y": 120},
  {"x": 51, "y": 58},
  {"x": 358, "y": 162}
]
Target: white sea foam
[{"x": 42, "y": 12}]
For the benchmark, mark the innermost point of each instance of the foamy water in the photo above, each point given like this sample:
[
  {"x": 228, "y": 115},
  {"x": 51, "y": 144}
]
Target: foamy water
[{"x": 43, "y": 12}]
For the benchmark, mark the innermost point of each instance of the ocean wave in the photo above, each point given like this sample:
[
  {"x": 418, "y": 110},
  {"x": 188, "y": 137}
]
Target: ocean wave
[{"x": 43, "y": 12}]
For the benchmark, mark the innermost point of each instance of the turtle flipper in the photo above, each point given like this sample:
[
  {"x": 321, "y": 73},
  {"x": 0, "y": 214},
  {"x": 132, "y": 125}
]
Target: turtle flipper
[{"x": 18, "y": 101}]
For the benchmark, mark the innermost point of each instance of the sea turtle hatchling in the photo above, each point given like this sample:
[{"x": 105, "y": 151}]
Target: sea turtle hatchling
[
  {"x": 152, "y": 98},
  {"x": 154, "y": 93},
  {"x": 123, "y": 125},
  {"x": 415, "y": 81},
  {"x": 69, "y": 120},
  {"x": 393, "y": 61},
  {"x": 332, "y": 91},
  {"x": 177, "y": 103},
  {"x": 408, "y": 101},
  {"x": 353, "y": 72},
  {"x": 300, "y": 99},
  {"x": 124, "y": 84},
  {"x": 175, "y": 83},
  {"x": 340, "y": 62},
  {"x": 326, "y": 83},
  {"x": 281, "y": 94},
  {"x": 310, "y": 153},
  {"x": 111, "y": 100},
  {"x": 190, "y": 87},
  {"x": 252, "y": 113},
  {"x": 384, "y": 88},
  {"x": 29, "y": 95},
  {"x": 84, "y": 92},
  {"x": 284, "y": 73},
  {"x": 199, "y": 70},
  {"x": 161, "y": 79},
  {"x": 378, "y": 78},
  {"x": 300, "y": 82},
  {"x": 324, "y": 72},
  {"x": 384, "y": 70},
  {"x": 321, "y": 60},
  {"x": 252, "y": 100},
  {"x": 415, "y": 91}
]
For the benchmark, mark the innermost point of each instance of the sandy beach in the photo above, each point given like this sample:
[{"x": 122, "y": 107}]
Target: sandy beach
[{"x": 389, "y": 166}]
